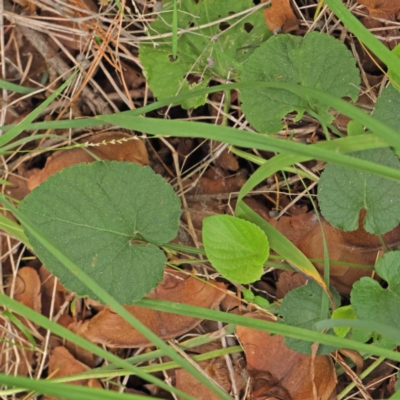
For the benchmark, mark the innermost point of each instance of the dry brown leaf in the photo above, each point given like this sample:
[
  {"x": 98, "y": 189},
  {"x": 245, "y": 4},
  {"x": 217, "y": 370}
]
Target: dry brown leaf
[
  {"x": 132, "y": 150},
  {"x": 358, "y": 247},
  {"x": 53, "y": 298},
  {"x": 62, "y": 363},
  {"x": 107, "y": 328},
  {"x": 26, "y": 288},
  {"x": 280, "y": 371},
  {"x": 216, "y": 368},
  {"x": 280, "y": 16},
  {"x": 381, "y": 8},
  {"x": 227, "y": 161},
  {"x": 13, "y": 357},
  {"x": 217, "y": 185}
]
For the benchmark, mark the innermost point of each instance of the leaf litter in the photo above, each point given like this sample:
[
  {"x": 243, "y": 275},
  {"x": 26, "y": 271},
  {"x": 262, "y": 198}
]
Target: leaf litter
[{"x": 265, "y": 376}]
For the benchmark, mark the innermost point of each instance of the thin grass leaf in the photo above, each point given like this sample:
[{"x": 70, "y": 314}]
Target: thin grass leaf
[
  {"x": 369, "y": 326},
  {"x": 161, "y": 127},
  {"x": 14, "y": 229},
  {"x": 175, "y": 30},
  {"x": 272, "y": 327},
  {"x": 21, "y": 327},
  {"x": 12, "y": 87},
  {"x": 17, "y": 129},
  {"x": 364, "y": 35},
  {"x": 68, "y": 392}
]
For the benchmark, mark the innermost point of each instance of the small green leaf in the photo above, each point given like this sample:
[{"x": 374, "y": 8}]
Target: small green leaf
[
  {"x": 236, "y": 248},
  {"x": 343, "y": 192},
  {"x": 98, "y": 214},
  {"x": 317, "y": 61},
  {"x": 216, "y": 51},
  {"x": 301, "y": 307},
  {"x": 354, "y": 128},
  {"x": 371, "y": 301},
  {"x": 345, "y": 312},
  {"x": 248, "y": 295}
]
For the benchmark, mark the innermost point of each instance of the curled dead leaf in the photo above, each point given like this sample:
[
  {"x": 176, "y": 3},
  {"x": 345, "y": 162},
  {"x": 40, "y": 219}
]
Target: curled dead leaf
[
  {"x": 359, "y": 247},
  {"x": 381, "y": 8},
  {"x": 109, "y": 329},
  {"x": 62, "y": 363},
  {"x": 16, "y": 355},
  {"x": 280, "y": 16},
  {"x": 216, "y": 368},
  {"x": 131, "y": 150},
  {"x": 54, "y": 296},
  {"x": 280, "y": 372}
]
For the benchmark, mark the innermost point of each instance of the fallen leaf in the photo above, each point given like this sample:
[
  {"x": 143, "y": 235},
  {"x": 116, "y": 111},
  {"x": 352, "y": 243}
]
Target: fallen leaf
[
  {"x": 217, "y": 184},
  {"x": 15, "y": 355},
  {"x": 381, "y": 8},
  {"x": 216, "y": 368},
  {"x": 53, "y": 298},
  {"x": 280, "y": 16},
  {"x": 62, "y": 363},
  {"x": 26, "y": 288},
  {"x": 109, "y": 329},
  {"x": 278, "y": 370},
  {"x": 132, "y": 150},
  {"x": 358, "y": 247}
]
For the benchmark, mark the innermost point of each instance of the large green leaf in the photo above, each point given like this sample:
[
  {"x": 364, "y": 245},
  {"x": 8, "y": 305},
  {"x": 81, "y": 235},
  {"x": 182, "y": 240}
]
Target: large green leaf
[
  {"x": 108, "y": 217},
  {"x": 317, "y": 61},
  {"x": 343, "y": 192},
  {"x": 215, "y": 51},
  {"x": 236, "y": 248}
]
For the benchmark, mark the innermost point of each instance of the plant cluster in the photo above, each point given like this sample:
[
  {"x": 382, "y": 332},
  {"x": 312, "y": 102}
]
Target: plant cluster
[{"x": 103, "y": 226}]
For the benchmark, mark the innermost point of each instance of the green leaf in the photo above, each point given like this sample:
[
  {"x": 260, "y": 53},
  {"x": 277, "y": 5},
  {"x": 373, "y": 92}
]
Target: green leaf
[
  {"x": 236, "y": 248},
  {"x": 354, "y": 128},
  {"x": 213, "y": 52},
  {"x": 372, "y": 302},
  {"x": 99, "y": 213},
  {"x": 347, "y": 312},
  {"x": 317, "y": 61},
  {"x": 343, "y": 192},
  {"x": 301, "y": 307}
]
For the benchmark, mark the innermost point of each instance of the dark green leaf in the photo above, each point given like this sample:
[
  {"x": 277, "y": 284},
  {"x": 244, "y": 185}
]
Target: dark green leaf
[
  {"x": 317, "y": 60},
  {"x": 343, "y": 192},
  {"x": 99, "y": 214},
  {"x": 301, "y": 307}
]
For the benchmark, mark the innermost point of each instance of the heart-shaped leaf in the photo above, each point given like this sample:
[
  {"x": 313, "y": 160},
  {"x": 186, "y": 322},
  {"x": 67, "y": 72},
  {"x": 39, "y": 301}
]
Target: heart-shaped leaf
[
  {"x": 318, "y": 61},
  {"x": 108, "y": 217}
]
